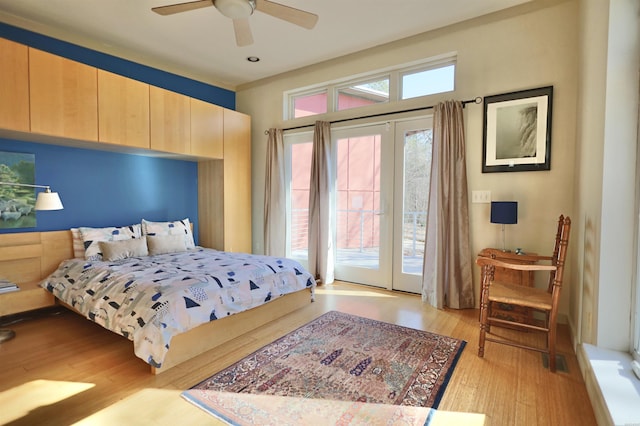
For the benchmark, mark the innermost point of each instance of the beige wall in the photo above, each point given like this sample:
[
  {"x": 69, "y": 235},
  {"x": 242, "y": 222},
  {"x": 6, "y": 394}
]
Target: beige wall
[{"x": 525, "y": 47}]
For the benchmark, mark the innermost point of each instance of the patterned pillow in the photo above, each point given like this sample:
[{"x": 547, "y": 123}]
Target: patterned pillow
[
  {"x": 92, "y": 237},
  {"x": 182, "y": 227}
]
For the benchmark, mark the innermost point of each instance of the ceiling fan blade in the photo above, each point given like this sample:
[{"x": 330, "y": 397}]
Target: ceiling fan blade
[
  {"x": 182, "y": 7},
  {"x": 243, "y": 32},
  {"x": 290, "y": 14}
]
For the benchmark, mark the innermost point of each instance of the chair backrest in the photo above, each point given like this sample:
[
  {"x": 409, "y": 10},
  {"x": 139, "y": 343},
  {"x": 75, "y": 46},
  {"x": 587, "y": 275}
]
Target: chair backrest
[
  {"x": 556, "y": 250},
  {"x": 564, "y": 229}
]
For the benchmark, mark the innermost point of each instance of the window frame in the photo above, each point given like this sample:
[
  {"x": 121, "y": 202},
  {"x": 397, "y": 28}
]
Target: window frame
[
  {"x": 371, "y": 79},
  {"x": 396, "y": 73},
  {"x": 420, "y": 69},
  {"x": 290, "y": 101}
]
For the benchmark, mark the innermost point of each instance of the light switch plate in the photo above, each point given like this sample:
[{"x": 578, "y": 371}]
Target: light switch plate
[{"x": 480, "y": 196}]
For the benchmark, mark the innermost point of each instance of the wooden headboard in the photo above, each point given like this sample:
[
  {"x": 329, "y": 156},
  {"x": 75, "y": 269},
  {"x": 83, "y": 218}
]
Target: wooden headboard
[{"x": 28, "y": 257}]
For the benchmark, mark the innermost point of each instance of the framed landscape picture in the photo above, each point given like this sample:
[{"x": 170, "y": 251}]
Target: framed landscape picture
[
  {"x": 17, "y": 203},
  {"x": 517, "y": 131}
]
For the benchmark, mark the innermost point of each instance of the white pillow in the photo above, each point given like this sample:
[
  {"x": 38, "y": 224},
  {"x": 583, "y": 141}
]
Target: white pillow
[
  {"x": 162, "y": 244},
  {"x": 91, "y": 238},
  {"x": 78, "y": 244},
  {"x": 178, "y": 227},
  {"x": 123, "y": 249}
]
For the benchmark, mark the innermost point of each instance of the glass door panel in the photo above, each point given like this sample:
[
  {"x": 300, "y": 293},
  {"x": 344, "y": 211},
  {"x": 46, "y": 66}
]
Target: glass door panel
[
  {"x": 413, "y": 167},
  {"x": 298, "y": 149},
  {"x": 363, "y": 244}
]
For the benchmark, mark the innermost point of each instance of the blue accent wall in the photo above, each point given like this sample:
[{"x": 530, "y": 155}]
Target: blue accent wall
[{"x": 100, "y": 188}]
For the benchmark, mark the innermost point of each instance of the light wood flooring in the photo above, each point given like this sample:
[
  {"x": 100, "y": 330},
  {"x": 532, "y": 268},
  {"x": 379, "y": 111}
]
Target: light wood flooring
[{"x": 62, "y": 369}]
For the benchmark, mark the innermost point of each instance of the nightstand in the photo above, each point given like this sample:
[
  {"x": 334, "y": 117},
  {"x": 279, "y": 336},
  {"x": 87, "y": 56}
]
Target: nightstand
[{"x": 29, "y": 297}]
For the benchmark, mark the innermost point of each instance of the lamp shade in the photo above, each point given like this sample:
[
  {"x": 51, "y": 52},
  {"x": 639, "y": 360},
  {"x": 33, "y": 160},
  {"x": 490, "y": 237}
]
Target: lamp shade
[
  {"x": 505, "y": 212},
  {"x": 48, "y": 200}
]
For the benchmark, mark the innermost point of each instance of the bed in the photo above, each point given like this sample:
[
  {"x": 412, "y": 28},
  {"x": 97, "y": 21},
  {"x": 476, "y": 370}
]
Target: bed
[{"x": 193, "y": 308}]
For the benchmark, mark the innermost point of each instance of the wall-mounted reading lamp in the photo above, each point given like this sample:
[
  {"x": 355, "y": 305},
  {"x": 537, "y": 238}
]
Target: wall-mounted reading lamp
[{"x": 46, "y": 200}]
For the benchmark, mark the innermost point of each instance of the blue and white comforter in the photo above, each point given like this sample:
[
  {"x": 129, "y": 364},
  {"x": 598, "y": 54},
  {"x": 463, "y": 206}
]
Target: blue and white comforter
[{"x": 150, "y": 299}]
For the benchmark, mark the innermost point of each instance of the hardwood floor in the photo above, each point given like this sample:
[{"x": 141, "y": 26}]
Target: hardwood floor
[{"x": 63, "y": 369}]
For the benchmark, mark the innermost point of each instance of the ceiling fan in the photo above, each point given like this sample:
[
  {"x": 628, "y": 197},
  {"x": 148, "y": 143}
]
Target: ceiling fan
[{"x": 240, "y": 10}]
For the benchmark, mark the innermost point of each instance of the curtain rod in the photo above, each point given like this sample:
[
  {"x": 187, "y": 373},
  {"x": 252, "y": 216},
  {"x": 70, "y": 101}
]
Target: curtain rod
[{"x": 476, "y": 100}]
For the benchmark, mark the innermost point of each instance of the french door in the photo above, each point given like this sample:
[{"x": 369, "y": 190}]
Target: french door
[
  {"x": 363, "y": 159},
  {"x": 413, "y": 142},
  {"x": 380, "y": 182}
]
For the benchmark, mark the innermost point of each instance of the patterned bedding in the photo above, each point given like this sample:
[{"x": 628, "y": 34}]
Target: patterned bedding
[{"x": 150, "y": 299}]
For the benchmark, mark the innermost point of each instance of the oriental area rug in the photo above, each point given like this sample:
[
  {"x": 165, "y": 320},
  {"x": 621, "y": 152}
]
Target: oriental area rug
[{"x": 336, "y": 369}]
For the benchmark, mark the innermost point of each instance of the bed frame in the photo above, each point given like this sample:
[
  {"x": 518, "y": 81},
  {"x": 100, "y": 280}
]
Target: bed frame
[{"x": 29, "y": 257}]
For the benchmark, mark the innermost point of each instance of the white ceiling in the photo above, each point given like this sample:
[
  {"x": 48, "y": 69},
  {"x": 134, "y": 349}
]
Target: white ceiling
[{"x": 200, "y": 44}]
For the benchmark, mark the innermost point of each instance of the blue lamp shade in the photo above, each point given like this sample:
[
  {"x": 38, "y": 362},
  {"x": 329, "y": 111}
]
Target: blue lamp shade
[{"x": 505, "y": 212}]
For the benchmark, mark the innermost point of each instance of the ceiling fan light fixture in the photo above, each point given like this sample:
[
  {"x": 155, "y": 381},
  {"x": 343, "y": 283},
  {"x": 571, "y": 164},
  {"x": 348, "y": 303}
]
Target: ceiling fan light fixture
[{"x": 235, "y": 9}]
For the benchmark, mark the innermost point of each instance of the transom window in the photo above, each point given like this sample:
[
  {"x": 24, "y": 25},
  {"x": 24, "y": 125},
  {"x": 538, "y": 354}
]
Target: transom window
[{"x": 428, "y": 77}]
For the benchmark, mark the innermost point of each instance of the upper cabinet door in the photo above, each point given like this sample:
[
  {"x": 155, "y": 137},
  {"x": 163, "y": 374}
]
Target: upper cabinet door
[
  {"x": 170, "y": 121},
  {"x": 14, "y": 86},
  {"x": 237, "y": 182},
  {"x": 206, "y": 129},
  {"x": 123, "y": 110},
  {"x": 63, "y": 97}
]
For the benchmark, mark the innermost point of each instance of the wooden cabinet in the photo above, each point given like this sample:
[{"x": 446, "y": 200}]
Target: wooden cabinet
[
  {"x": 14, "y": 86},
  {"x": 206, "y": 129},
  {"x": 50, "y": 95},
  {"x": 224, "y": 190},
  {"x": 237, "y": 181},
  {"x": 123, "y": 110},
  {"x": 63, "y": 97},
  {"x": 170, "y": 121}
]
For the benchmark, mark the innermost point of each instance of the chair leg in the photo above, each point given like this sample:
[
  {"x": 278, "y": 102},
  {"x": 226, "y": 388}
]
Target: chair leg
[
  {"x": 484, "y": 327},
  {"x": 487, "y": 277}
]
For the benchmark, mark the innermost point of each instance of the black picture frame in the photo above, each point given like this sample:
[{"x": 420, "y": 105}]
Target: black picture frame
[{"x": 517, "y": 131}]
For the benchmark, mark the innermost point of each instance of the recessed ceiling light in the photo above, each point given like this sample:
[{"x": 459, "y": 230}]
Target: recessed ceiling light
[{"x": 253, "y": 59}]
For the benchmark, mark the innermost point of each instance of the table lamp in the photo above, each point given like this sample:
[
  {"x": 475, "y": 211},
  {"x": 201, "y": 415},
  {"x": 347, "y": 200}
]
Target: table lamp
[{"x": 504, "y": 213}]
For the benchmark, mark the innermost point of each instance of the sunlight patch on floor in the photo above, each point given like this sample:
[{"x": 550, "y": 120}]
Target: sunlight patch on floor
[
  {"x": 159, "y": 407},
  {"x": 359, "y": 293},
  {"x": 17, "y": 402}
]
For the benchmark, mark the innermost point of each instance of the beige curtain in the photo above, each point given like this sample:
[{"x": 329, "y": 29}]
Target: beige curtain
[
  {"x": 447, "y": 272},
  {"x": 274, "y": 196},
  {"x": 320, "y": 217}
]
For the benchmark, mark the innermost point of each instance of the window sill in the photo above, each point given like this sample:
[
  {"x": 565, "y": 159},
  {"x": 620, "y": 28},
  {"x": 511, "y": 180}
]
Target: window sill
[{"x": 613, "y": 388}]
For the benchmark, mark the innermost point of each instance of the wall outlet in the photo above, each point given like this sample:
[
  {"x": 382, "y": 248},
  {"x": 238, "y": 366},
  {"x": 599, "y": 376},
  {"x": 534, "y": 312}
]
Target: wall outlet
[{"x": 480, "y": 196}]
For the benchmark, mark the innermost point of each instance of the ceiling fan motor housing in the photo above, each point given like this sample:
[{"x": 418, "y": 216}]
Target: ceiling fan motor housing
[{"x": 235, "y": 9}]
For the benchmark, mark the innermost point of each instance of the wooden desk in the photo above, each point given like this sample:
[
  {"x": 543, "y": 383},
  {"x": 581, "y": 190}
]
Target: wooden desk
[{"x": 526, "y": 278}]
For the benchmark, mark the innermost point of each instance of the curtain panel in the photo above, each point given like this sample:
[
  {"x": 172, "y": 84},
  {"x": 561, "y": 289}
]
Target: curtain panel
[
  {"x": 320, "y": 216},
  {"x": 274, "y": 196},
  {"x": 447, "y": 278}
]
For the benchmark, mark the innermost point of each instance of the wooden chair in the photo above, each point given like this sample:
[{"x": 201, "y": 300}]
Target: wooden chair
[{"x": 537, "y": 300}]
